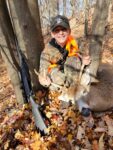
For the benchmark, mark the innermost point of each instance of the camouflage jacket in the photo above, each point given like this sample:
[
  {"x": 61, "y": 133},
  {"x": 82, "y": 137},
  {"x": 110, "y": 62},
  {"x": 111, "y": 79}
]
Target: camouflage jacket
[{"x": 53, "y": 54}]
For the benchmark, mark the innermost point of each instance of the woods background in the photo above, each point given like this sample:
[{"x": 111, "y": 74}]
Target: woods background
[{"x": 92, "y": 26}]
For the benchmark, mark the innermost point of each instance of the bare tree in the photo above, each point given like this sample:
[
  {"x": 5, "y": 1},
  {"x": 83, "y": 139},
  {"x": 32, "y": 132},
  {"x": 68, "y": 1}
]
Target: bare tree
[
  {"x": 18, "y": 32},
  {"x": 72, "y": 2},
  {"x": 52, "y": 8},
  {"x": 7, "y": 52},
  {"x": 48, "y": 9},
  {"x": 86, "y": 13},
  {"x": 28, "y": 30},
  {"x": 64, "y": 7},
  {"x": 58, "y": 3},
  {"x": 44, "y": 16},
  {"x": 29, "y": 20},
  {"x": 110, "y": 10},
  {"x": 98, "y": 30}
]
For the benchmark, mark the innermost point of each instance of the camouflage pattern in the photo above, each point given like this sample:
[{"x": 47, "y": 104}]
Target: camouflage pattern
[{"x": 71, "y": 67}]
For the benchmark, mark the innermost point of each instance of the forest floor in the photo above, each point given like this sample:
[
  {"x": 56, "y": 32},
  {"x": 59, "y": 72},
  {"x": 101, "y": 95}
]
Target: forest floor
[{"x": 68, "y": 130}]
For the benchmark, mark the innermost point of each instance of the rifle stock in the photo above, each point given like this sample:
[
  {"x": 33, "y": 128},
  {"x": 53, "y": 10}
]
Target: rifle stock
[
  {"x": 26, "y": 82},
  {"x": 39, "y": 121}
]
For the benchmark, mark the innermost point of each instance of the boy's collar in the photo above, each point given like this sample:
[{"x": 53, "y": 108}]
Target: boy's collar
[{"x": 55, "y": 44}]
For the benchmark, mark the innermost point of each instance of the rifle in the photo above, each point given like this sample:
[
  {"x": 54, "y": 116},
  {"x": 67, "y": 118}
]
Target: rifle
[
  {"x": 28, "y": 92},
  {"x": 26, "y": 82}
]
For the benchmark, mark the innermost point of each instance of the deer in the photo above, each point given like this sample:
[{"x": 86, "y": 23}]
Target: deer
[
  {"x": 68, "y": 92},
  {"x": 90, "y": 97}
]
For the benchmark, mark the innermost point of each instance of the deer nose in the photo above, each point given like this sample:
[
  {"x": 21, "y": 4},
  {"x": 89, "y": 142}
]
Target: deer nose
[{"x": 86, "y": 112}]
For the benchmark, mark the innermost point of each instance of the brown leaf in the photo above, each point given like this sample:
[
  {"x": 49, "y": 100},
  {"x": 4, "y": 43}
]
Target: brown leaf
[
  {"x": 95, "y": 145},
  {"x": 37, "y": 141},
  {"x": 6, "y": 145},
  {"x": 99, "y": 129},
  {"x": 55, "y": 117},
  {"x": 70, "y": 136},
  {"x": 63, "y": 128},
  {"x": 80, "y": 133},
  {"x": 71, "y": 114},
  {"x": 109, "y": 123},
  {"x": 19, "y": 135},
  {"x": 49, "y": 114},
  {"x": 101, "y": 142}
]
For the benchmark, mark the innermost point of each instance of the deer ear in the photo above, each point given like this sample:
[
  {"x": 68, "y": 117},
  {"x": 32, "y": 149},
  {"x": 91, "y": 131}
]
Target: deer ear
[{"x": 86, "y": 79}]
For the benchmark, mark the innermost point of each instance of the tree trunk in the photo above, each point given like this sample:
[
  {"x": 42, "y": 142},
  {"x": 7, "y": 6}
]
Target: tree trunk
[
  {"x": 86, "y": 13},
  {"x": 72, "y": 2},
  {"x": 0, "y": 55},
  {"x": 53, "y": 8},
  {"x": 58, "y": 3},
  {"x": 110, "y": 10},
  {"x": 17, "y": 27},
  {"x": 64, "y": 7},
  {"x": 8, "y": 40},
  {"x": 98, "y": 30},
  {"x": 29, "y": 21}
]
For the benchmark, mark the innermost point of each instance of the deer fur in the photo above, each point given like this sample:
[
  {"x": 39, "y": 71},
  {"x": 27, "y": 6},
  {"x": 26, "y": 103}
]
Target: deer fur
[
  {"x": 79, "y": 86},
  {"x": 98, "y": 97}
]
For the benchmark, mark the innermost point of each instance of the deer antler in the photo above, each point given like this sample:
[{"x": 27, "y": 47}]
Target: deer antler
[
  {"x": 81, "y": 72},
  {"x": 54, "y": 84}
]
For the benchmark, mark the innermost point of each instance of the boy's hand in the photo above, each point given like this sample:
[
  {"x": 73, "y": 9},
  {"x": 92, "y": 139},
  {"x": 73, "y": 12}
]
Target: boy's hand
[{"x": 45, "y": 81}]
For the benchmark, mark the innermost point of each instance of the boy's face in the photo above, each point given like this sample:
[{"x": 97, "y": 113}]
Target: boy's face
[{"x": 60, "y": 34}]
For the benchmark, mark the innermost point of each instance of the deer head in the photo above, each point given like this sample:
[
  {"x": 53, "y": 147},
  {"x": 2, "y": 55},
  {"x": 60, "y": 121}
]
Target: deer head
[
  {"x": 78, "y": 90},
  {"x": 68, "y": 94}
]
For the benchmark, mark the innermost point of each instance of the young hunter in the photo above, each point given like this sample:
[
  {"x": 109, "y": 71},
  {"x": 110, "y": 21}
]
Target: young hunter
[{"x": 61, "y": 60}]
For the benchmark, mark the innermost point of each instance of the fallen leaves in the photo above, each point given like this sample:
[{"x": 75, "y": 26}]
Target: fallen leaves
[
  {"x": 101, "y": 142},
  {"x": 19, "y": 135},
  {"x": 80, "y": 133},
  {"x": 68, "y": 129},
  {"x": 99, "y": 129},
  {"x": 37, "y": 144},
  {"x": 109, "y": 123},
  {"x": 95, "y": 145}
]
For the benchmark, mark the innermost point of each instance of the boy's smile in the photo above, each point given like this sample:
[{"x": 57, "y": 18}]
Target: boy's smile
[{"x": 61, "y": 35}]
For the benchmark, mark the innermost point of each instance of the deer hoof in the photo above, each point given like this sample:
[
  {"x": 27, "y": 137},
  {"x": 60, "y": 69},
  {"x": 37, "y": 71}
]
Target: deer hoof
[{"x": 86, "y": 112}]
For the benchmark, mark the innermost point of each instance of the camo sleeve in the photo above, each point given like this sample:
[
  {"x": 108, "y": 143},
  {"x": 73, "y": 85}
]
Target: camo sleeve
[{"x": 44, "y": 63}]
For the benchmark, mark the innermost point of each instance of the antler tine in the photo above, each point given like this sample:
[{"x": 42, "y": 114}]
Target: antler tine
[
  {"x": 36, "y": 72},
  {"x": 81, "y": 72},
  {"x": 82, "y": 67}
]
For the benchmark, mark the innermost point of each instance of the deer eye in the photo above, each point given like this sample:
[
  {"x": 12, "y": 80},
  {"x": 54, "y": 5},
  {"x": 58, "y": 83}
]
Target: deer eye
[{"x": 84, "y": 92}]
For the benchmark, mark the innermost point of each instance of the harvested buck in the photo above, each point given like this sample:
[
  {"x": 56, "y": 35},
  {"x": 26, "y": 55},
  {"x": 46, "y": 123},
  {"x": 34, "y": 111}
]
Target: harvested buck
[
  {"x": 98, "y": 97},
  {"x": 79, "y": 88}
]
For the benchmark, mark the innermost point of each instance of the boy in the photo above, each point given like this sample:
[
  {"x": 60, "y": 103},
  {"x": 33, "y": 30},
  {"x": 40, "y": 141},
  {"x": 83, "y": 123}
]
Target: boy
[{"x": 60, "y": 61}]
